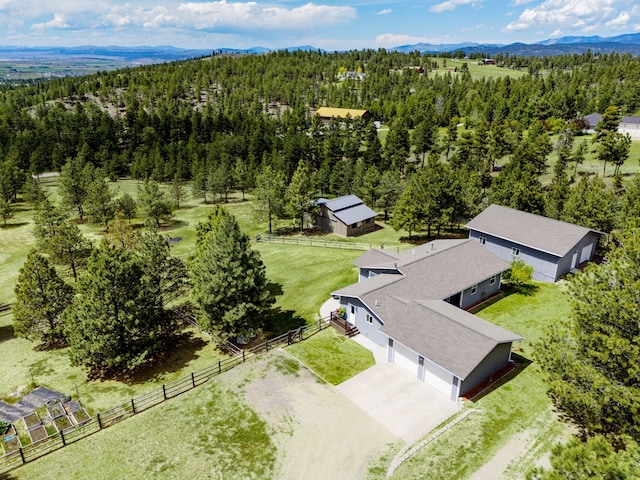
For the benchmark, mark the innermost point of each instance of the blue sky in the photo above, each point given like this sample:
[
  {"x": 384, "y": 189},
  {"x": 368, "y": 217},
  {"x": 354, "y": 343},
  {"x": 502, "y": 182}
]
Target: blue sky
[{"x": 327, "y": 24}]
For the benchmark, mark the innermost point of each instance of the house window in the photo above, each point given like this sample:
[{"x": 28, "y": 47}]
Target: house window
[
  {"x": 353, "y": 310},
  {"x": 474, "y": 289},
  {"x": 482, "y": 240},
  {"x": 515, "y": 251},
  {"x": 369, "y": 318},
  {"x": 492, "y": 280},
  {"x": 368, "y": 220}
]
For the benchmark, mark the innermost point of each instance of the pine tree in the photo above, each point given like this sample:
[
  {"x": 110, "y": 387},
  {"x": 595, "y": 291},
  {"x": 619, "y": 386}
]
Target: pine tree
[
  {"x": 41, "y": 298},
  {"x": 116, "y": 322},
  {"x": 154, "y": 204},
  {"x": 99, "y": 203},
  {"x": 228, "y": 278},
  {"x": 300, "y": 194},
  {"x": 269, "y": 195}
]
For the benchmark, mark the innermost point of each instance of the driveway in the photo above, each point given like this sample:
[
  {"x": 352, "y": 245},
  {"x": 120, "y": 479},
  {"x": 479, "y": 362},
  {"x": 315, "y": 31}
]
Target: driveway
[{"x": 408, "y": 407}]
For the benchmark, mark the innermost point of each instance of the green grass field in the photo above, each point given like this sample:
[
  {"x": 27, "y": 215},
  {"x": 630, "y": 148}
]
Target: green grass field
[
  {"x": 209, "y": 432},
  {"x": 332, "y": 356},
  {"x": 476, "y": 71},
  {"x": 517, "y": 406}
]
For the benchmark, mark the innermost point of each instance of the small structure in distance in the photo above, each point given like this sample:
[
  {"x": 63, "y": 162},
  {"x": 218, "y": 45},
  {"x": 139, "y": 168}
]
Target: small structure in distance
[{"x": 346, "y": 216}]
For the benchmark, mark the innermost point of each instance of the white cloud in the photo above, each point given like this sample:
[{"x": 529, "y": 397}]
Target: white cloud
[
  {"x": 231, "y": 15},
  {"x": 519, "y": 3},
  {"x": 453, "y": 4},
  {"x": 385, "y": 11},
  {"x": 393, "y": 40},
  {"x": 58, "y": 21},
  {"x": 580, "y": 15}
]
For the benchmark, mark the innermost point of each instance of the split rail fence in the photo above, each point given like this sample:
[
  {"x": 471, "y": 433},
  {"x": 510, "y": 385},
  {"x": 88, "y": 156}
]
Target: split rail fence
[
  {"x": 154, "y": 397},
  {"x": 311, "y": 242}
]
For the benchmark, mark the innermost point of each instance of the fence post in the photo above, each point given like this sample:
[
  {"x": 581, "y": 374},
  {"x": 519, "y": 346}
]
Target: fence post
[
  {"x": 242, "y": 356},
  {"x": 164, "y": 392},
  {"x": 133, "y": 406},
  {"x": 64, "y": 443},
  {"x": 219, "y": 367},
  {"x": 22, "y": 455},
  {"x": 266, "y": 345},
  {"x": 193, "y": 379},
  {"x": 99, "y": 422}
]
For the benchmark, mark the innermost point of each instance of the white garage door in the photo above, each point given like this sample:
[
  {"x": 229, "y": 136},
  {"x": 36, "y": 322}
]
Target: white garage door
[
  {"x": 586, "y": 253},
  {"x": 406, "y": 359},
  {"x": 437, "y": 377}
]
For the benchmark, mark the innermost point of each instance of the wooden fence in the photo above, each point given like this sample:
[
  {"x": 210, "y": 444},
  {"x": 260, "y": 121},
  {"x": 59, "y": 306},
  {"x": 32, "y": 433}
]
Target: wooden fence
[
  {"x": 318, "y": 242},
  {"x": 154, "y": 397}
]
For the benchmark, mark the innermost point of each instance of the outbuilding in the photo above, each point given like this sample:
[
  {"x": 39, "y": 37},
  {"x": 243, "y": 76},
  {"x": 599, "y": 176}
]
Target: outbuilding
[{"x": 346, "y": 216}]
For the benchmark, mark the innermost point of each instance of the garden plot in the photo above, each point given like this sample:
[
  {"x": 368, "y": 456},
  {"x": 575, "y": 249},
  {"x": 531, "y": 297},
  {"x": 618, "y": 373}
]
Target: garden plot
[
  {"x": 10, "y": 440},
  {"x": 77, "y": 413},
  {"x": 58, "y": 416},
  {"x": 35, "y": 428}
]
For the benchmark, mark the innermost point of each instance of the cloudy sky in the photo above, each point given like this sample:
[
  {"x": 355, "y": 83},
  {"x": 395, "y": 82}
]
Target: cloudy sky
[{"x": 329, "y": 24}]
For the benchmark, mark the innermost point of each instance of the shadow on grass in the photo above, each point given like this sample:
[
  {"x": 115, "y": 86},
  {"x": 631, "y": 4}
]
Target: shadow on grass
[
  {"x": 7, "y": 333},
  {"x": 452, "y": 234},
  {"x": 280, "y": 321},
  {"x": 275, "y": 289},
  {"x": 183, "y": 350},
  {"x": 7, "y": 476},
  {"x": 526, "y": 290},
  {"x": 521, "y": 363},
  {"x": 11, "y": 226}
]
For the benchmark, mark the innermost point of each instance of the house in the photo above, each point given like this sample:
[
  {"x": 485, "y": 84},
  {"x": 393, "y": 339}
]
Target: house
[
  {"x": 553, "y": 248},
  {"x": 327, "y": 113},
  {"x": 347, "y": 216},
  {"x": 630, "y": 125},
  {"x": 413, "y": 304}
]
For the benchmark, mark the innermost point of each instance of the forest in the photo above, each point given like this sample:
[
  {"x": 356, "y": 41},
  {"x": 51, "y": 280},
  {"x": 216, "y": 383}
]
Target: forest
[{"x": 450, "y": 142}]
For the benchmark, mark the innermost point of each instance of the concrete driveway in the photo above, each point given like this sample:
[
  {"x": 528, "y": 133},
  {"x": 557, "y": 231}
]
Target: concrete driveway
[{"x": 408, "y": 407}]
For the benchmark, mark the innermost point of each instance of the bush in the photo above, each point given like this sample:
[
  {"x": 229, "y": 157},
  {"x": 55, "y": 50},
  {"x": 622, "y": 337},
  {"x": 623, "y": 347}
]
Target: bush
[
  {"x": 518, "y": 274},
  {"x": 4, "y": 427}
]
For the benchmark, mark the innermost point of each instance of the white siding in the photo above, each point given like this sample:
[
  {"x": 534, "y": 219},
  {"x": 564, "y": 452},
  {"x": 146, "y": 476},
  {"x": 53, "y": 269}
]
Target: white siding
[
  {"x": 406, "y": 359},
  {"x": 437, "y": 377},
  {"x": 586, "y": 253}
]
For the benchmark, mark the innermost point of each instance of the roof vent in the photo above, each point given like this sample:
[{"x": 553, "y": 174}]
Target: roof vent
[
  {"x": 413, "y": 252},
  {"x": 433, "y": 246},
  {"x": 377, "y": 304},
  {"x": 395, "y": 264}
]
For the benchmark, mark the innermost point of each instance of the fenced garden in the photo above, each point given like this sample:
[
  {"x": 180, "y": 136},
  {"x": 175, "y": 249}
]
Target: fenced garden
[{"x": 74, "y": 424}]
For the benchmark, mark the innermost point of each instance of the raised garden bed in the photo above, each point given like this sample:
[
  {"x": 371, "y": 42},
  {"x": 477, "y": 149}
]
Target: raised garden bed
[
  {"x": 37, "y": 433},
  {"x": 31, "y": 420},
  {"x": 62, "y": 423},
  {"x": 80, "y": 416},
  {"x": 8, "y": 432},
  {"x": 56, "y": 410},
  {"x": 11, "y": 443}
]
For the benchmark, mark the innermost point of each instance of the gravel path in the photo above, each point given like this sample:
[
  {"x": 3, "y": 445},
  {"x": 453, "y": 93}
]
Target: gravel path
[{"x": 318, "y": 432}]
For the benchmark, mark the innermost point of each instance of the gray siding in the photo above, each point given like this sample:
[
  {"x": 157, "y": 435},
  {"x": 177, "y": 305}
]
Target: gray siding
[
  {"x": 484, "y": 290},
  {"x": 328, "y": 222},
  {"x": 564, "y": 264},
  {"x": 493, "y": 362},
  {"x": 544, "y": 264},
  {"x": 370, "y": 330}
]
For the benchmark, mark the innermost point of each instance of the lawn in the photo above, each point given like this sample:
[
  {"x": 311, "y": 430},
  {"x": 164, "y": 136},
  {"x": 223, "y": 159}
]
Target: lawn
[
  {"x": 209, "y": 432},
  {"x": 516, "y": 414},
  {"x": 332, "y": 356},
  {"x": 476, "y": 71}
]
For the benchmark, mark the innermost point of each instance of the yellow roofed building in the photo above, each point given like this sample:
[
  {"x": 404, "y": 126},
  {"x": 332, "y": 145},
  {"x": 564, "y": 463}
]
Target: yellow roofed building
[{"x": 327, "y": 113}]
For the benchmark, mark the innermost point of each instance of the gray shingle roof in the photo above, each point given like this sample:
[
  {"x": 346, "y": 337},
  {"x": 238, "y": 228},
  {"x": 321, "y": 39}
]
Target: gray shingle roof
[
  {"x": 411, "y": 305},
  {"x": 454, "y": 339},
  {"x": 354, "y": 214},
  {"x": 535, "y": 231},
  {"x": 348, "y": 209}
]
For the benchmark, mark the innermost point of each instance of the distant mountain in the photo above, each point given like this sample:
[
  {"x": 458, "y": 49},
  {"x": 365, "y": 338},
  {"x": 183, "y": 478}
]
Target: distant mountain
[
  {"x": 628, "y": 43},
  {"x": 130, "y": 55}
]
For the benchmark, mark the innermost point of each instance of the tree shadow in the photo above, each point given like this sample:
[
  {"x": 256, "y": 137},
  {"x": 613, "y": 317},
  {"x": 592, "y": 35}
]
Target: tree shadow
[
  {"x": 488, "y": 386},
  {"x": 279, "y": 321},
  {"x": 11, "y": 226},
  {"x": 7, "y": 333},
  {"x": 173, "y": 225},
  {"x": 275, "y": 289},
  {"x": 183, "y": 349},
  {"x": 527, "y": 290}
]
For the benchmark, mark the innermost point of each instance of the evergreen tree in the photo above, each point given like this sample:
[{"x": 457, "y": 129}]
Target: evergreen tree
[
  {"x": 591, "y": 204},
  {"x": 116, "y": 322},
  {"x": 300, "y": 195},
  {"x": 388, "y": 192},
  {"x": 153, "y": 203},
  {"x": 269, "y": 195},
  {"x": 178, "y": 193},
  {"x": 73, "y": 183},
  {"x": 592, "y": 361},
  {"x": 125, "y": 206},
  {"x": 41, "y": 298},
  {"x": 99, "y": 203},
  {"x": 6, "y": 210},
  {"x": 228, "y": 278},
  {"x": 630, "y": 205}
]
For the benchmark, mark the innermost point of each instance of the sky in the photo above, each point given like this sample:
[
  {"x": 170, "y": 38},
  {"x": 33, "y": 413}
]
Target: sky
[{"x": 327, "y": 24}]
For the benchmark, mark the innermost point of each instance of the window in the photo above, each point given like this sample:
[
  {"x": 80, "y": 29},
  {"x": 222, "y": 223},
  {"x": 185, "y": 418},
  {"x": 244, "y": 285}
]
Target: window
[
  {"x": 353, "y": 309},
  {"x": 492, "y": 280},
  {"x": 474, "y": 289},
  {"x": 368, "y": 220},
  {"x": 369, "y": 318},
  {"x": 482, "y": 240},
  {"x": 515, "y": 251}
]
